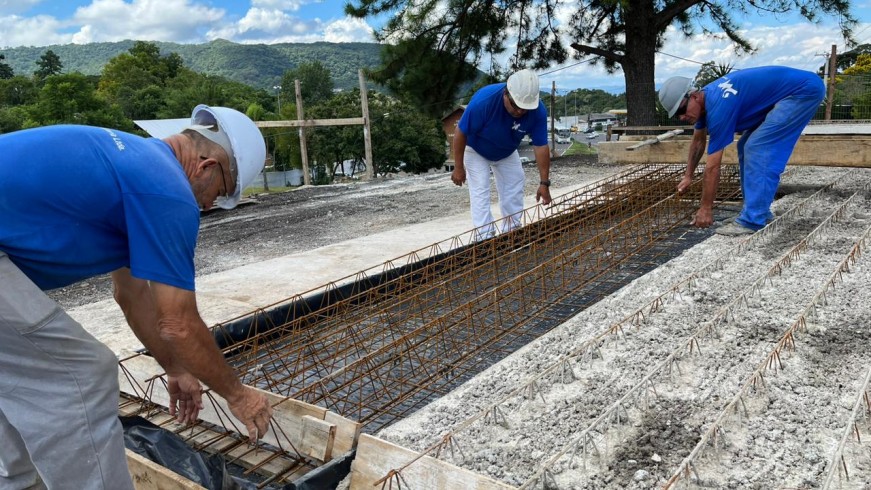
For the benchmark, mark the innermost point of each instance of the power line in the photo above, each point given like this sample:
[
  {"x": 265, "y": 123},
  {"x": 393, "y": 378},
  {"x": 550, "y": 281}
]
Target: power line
[{"x": 680, "y": 58}]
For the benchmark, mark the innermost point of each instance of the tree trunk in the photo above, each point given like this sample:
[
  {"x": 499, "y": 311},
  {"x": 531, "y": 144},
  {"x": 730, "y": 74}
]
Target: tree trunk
[{"x": 638, "y": 64}]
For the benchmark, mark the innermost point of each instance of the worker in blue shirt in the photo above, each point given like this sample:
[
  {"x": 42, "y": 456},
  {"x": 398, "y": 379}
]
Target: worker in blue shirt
[
  {"x": 78, "y": 201},
  {"x": 486, "y": 139},
  {"x": 770, "y": 105}
]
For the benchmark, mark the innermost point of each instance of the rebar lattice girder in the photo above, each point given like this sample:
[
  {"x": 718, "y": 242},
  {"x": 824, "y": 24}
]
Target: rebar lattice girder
[{"x": 380, "y": 349}]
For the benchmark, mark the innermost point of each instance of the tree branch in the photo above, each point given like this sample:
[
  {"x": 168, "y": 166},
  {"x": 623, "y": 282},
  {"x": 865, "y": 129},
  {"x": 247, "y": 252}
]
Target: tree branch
[
  {"x": 666, "y": 16},
  {"x": 608, "y": 55}
]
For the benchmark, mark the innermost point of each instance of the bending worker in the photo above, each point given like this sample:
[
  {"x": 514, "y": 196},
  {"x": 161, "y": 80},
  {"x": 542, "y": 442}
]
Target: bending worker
[
  {"x": 771, "y": 105},
  {"x": 78, "y": 201},
  {"x": 487, "y": 137}
]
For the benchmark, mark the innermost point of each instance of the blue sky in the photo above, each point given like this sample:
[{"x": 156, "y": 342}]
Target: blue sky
[{"x": 785, "y": 41}]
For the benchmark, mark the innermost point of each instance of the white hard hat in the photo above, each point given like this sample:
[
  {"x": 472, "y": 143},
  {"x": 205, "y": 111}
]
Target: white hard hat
[
  {"x": 523, "y": 87},
  {"x": 239, "y": 137},
  {"x": 672, "y": 93}
]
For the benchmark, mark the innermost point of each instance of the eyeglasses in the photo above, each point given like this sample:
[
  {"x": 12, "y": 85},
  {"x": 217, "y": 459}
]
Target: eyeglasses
[
  {"x": 513, "y": 104},
  {"x": 223, "y": 178},
  {"x": 682, "y": 109}
]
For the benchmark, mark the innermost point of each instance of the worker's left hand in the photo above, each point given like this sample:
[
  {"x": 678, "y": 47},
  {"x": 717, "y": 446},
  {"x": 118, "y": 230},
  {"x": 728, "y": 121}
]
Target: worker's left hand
[
  {"x": 185, "y": 398},
  {"x": 704, "y": 218},
  {"x": 543, "y": 195}
]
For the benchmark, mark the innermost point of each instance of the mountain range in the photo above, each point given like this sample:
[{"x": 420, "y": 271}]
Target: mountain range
[{"x": 257, "y": 65}]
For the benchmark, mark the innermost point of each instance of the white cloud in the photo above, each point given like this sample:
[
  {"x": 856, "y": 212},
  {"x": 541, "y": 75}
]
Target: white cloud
[
  {"x": 151, "y": 20},
  {"x": 285, "y": 5},
  {"x": 349, "y": 30},
  {"x": 31, "y": 31},
  {"x": 269, "y": 26}
]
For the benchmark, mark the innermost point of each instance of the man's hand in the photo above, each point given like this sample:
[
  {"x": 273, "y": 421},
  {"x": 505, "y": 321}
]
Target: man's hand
[
  {"x": 543, "y": 195},
  {"x": 458, "y": 176},
  {"x": 684, "y": 184},
  {"x": 253, "y": 410},
  {"x": 703, "y": 219},
  {"x": 185, "y": 398}
]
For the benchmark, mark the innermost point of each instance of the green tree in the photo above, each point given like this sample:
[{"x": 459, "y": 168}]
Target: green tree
[
  {"x": 435, "y": 37},
  {"x": 18, "y": 91},
  {"x": 853, "y": 87},
  {"x": 315, "y": 83},
  {"x": 711, "y": 71},
  {"x": 72, "y": 98},
  {"x": 135, "y": 80},
  {"x": 402, "y": 137},
  {"x": 6, "y": 71},
  {"x": 14, "y": 119},
  {"x": 49, "y": 64}
]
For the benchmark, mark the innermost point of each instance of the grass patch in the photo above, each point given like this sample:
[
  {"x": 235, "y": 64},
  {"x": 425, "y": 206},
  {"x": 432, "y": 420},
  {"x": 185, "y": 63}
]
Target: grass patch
[{"x": 581, "y": 149}]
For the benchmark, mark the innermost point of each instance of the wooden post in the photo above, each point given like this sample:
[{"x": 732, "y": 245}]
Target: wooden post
[
  {"x": 830, "y": 86},
  {"x": 306, "y": 175},
  {"x": 367, "y": 130},
  {"x": 552, "y": 124}
]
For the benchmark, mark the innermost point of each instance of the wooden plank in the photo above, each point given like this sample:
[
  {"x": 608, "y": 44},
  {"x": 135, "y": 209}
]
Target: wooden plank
[
  {"x": 347, "y": 433},
  {"x": 287, "y": 413},
  {"x": 837, "y": 151},
  {"x": 376, "y": 457},
  {"x": 346, "y": 121},
  {"x": 313, "y": 432},
  {"x": 148, "y": 475}
]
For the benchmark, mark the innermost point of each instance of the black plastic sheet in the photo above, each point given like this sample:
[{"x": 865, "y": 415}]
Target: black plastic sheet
[{"x": 170, "y": 451}]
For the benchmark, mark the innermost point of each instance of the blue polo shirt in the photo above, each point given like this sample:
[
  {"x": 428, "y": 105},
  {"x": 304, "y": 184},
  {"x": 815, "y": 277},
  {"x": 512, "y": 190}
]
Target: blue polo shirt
[
  {"x": 740, "y": 100},
  {"x": 78, "y": 201},
  {"x": 494, "y": 133}
]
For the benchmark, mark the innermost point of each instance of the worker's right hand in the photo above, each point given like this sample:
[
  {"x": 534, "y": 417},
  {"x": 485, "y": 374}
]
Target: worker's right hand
[
  {"x": 684, "y": 184},
  {"x": 458, "y": 176},
  {"x": 252, "y": 409},
  {"x": 185, "y": 398}
]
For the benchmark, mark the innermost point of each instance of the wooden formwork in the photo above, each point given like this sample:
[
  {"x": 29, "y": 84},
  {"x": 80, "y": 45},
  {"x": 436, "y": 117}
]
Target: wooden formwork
[
  {"x": 824, "y": 150},
  {"x": 316, "y": 434}
]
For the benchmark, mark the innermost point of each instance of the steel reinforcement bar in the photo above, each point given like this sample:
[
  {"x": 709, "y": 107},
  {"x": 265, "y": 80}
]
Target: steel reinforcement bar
[{"x": 386, "y": 345}]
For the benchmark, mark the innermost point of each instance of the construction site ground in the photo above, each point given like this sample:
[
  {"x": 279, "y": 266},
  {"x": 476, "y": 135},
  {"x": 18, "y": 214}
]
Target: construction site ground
[{"x": 743, "y": 363}]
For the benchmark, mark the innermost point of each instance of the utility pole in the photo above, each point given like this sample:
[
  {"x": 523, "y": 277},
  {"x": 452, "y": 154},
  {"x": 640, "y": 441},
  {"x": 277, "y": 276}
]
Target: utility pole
[
  {"x": 830, "y": 86},
  {"x": 278, "y": 92}
]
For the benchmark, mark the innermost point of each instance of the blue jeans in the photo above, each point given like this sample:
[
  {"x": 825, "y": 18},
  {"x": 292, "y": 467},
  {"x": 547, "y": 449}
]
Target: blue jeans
[{"x": 764, "y": 151}]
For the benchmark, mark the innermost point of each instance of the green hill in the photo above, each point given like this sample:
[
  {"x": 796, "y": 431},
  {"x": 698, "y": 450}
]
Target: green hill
[{"x": 257, "y": 65}]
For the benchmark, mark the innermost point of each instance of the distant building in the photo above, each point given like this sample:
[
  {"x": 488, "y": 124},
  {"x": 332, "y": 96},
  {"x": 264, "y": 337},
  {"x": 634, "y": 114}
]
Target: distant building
[{"x": 449, "y": 125}]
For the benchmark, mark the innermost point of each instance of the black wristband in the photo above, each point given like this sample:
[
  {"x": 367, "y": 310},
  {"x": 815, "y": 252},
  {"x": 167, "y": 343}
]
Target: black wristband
[{"x": 545, "y": 183}]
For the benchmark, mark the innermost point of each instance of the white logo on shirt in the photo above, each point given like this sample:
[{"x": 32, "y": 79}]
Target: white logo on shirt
[
  {"x": 516, "y": 127},
  {"x": 727, "y": 89},
  {"x": 116, "y": 139}
]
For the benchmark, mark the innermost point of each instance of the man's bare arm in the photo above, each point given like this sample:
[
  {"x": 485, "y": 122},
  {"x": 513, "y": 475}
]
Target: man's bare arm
[{"x": 696, "y": 151}]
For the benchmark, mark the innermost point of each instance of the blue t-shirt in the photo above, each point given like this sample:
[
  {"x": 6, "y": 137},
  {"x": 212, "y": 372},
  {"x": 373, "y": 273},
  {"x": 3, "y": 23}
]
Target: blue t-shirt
[
  {"x": 740, "y": 101},
  {"x": 494, "y": 133},
  {"x": 78, "y": 201}
]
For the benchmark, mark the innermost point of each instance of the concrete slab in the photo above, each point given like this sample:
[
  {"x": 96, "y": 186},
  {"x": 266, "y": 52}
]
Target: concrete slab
[{"x": 232, "y": 293}]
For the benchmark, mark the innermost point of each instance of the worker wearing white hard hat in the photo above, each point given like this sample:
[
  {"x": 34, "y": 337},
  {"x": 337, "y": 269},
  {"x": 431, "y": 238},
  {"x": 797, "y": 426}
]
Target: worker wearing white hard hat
[
  {"x": 490, "y": 130},
  {"x": 770, "y": 106},
  {"x": 81, "y": 201}
]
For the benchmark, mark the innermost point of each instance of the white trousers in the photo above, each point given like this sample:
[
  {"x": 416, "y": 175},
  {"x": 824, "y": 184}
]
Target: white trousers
[
  {"x": 509, "y": 177},
  {"x": 59, "y": 423}
]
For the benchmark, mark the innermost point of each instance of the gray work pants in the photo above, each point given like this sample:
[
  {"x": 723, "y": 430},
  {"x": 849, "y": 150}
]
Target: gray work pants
[{"x": 58, "y": 396}]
